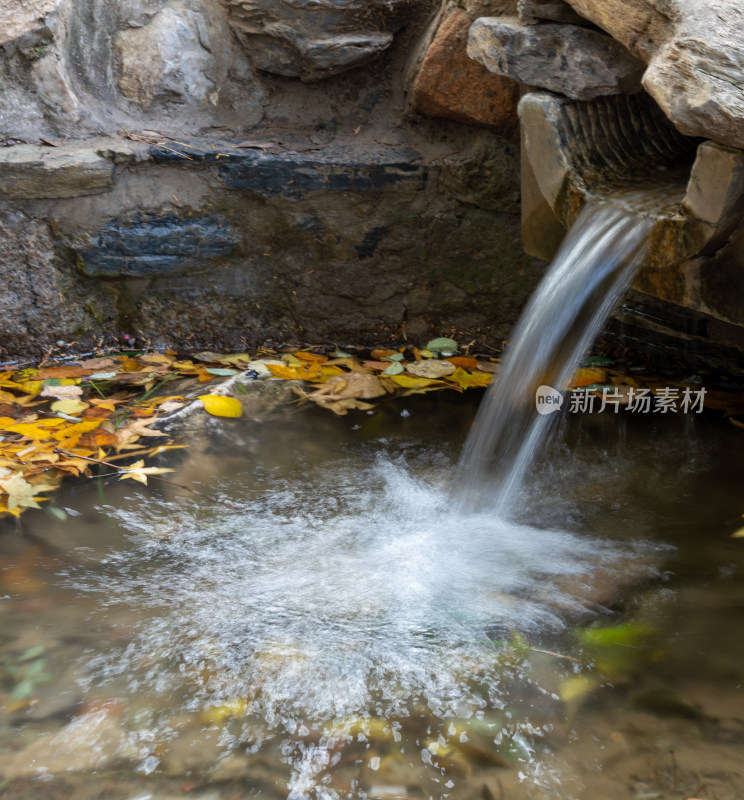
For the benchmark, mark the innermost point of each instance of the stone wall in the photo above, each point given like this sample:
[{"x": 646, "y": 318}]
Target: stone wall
[{"x": 215, "y": 173}]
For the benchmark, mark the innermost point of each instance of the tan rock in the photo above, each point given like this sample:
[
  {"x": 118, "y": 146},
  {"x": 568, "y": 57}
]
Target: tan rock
[
  {"x": 453, "y": 86},
  {"x": 640, "y": 25},
  {"x": 697, "y": 77},
  {"x": 29, "y": 172},
  {"x": 695, "y": 53},
  {"x": 167, "y": 57},
  {"x": 18, "y": 18}
]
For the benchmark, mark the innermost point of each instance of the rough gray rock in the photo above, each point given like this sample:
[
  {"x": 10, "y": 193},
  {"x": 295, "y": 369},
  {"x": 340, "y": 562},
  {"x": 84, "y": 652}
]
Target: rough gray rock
[
  {"x": 532, "y": 11},
  {"x": 305, "y": 40},
  {"x": 20, "y": 19},
  {"x": 579, "y": 63},
  {"x": 695, "y": 55},
  {"x": 81, "y": 69},
  {"x": 698, "y": 76},
  {"x": 29, "y": 172},
  {"x": 31, "y": 305}
]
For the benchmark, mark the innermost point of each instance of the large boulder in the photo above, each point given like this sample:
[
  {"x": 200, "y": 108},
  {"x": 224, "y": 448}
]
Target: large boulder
[
  {"x": 451, "y": 85},
  {"x": 577, "y": 62},
  {"x": 695, "y": 55},
  {"x": 313, "y": 40}
]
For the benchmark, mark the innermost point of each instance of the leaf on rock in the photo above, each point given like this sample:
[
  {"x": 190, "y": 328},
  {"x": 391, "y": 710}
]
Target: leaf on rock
[{"x": 219, "y": 405}]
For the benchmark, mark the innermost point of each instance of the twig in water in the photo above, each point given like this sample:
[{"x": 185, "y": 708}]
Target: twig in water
[{"x": 124, "y": 469}]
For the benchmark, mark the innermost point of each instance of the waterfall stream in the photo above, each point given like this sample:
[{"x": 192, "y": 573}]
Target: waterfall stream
[{"x": 594, "y": 266}]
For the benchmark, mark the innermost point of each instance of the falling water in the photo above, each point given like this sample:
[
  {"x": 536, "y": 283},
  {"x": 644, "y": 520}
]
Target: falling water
[{"x": 592, "y": 269}]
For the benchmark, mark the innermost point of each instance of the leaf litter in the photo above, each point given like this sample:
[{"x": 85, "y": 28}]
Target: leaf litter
[{"x": 62, "y": 419}]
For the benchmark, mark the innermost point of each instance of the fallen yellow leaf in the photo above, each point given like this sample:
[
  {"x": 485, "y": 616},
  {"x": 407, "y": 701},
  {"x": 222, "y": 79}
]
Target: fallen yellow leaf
[
  {"x": 221, "y": 406},
  {"x": 587, "y": 376},
  {"x": 469, "y": 380}
]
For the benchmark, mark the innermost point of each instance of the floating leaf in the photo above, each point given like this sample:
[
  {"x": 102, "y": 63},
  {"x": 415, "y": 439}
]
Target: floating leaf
[
  {"x": 597, "y": 361},
  {"x": 221, "y": 371},
  {"x": 394, "y": 369},
  {"x": 430, "y": 369},
  {"x": 21, "y": 493},
  {"x": 394, "y": 357},
  {"x": 417, "y": 385},
  {"x": 304, "y": 355},
  {"x": 467, "y": 362},
  {"x": 139, "y": 472},
  {"x": 102, "y": 376},
  {"x": 219, "y": 405},
  {"x": 588, "y": 376},
  {"x": 469, "y": 380}
]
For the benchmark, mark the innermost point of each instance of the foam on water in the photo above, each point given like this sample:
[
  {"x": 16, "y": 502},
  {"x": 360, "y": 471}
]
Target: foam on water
[{"x": 375, "y": 598}]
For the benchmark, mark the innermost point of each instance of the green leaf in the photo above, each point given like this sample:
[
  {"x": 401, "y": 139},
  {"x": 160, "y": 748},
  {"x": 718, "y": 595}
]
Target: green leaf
[
  {"x": 341, "y": 354},
  {"x": 442, "y": 345},
  {"x": 223, "y": 372},
  {"x": 102, "y": 376},
  {"x": 52, "y": 382},
  {"x": 394, "y": 357},
  {"x": 394, "y": 369},
  {"x": 597, "y": 361}
]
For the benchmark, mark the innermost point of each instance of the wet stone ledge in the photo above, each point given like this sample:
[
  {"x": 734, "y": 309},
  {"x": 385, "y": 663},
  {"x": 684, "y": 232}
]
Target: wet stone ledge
[{"x": 293, "y": 173}]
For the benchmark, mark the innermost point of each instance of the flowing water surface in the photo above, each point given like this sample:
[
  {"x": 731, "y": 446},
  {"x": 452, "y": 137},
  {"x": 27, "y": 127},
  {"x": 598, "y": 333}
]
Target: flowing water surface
[
  {"x": 334, "y": 625},
  {"x": 344, "y": 613}
]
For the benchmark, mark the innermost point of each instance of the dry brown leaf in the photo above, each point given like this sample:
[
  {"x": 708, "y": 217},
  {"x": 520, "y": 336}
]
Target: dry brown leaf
[{"x": 62, "y": 392}]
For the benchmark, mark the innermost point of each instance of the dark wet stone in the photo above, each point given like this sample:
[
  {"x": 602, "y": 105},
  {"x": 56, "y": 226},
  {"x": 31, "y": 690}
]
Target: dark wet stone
[
  {"x": 151, "y": 245},
  {"x": 292, "y": 175}
]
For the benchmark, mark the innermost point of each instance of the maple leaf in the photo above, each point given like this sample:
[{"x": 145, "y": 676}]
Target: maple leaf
[
  {"x": 134, "y": 429},
  {"x": 21, "y": 493},
  {"x": 139, "y": 472}
]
